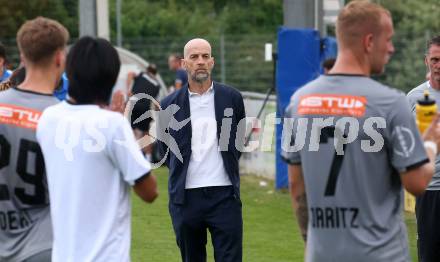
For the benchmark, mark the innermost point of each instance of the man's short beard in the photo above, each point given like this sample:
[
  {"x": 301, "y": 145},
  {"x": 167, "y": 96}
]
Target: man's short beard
[{"x": 200, "y": 77}]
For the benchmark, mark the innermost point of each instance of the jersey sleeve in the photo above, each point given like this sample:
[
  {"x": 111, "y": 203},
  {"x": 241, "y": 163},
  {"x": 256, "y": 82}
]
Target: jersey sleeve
[
  {"x": 412, "y": 101},
  {"x": 412, "y": 97},
  {"x": 126, "y": 153},
  {"x": 405, "y": 144},
  {"x": 289, "y": 155}
]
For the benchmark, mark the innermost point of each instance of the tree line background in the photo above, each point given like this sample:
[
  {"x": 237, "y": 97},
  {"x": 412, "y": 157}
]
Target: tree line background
[{"x": 237, "y": 29}]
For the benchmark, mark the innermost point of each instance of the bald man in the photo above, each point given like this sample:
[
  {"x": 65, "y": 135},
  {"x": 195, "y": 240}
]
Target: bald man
[
  {"x": 348, "y": 189},
  {"x": 175, "y": 65},
  {"x": 204, "y": 185}
]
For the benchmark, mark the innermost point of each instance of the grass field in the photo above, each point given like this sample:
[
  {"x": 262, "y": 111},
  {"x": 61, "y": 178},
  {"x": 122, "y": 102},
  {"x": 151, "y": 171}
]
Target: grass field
[{"x": 270, "y": 230}]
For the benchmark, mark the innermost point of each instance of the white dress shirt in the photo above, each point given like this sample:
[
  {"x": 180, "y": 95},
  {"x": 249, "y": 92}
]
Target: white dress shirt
[{"x": 206, "y": 166}]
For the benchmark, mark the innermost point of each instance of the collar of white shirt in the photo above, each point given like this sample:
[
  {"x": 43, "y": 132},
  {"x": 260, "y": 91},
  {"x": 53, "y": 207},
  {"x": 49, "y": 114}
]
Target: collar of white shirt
[{"x": 210, "y": 89}]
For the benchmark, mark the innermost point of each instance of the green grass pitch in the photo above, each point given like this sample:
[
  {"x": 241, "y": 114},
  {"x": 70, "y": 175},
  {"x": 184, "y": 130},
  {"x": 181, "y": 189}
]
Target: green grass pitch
[{"x": 270, "y": 230}]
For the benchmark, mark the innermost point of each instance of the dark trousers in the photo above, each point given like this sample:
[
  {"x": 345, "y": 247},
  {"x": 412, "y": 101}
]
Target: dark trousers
[
  {"x": 428, "y": 226},
  {"x": 216, "y": 209}
]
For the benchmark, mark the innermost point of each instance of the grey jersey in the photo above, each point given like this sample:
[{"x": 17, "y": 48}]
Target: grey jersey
[
  {"x": 352, "y": 137},
  {"x": 25, "y": 224},
  {"x": 413, "y": 96}
]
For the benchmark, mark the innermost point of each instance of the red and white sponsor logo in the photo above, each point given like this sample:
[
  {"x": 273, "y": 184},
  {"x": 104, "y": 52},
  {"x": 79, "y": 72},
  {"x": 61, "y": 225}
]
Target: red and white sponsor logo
[
  {"x": 325, "y": 104},
  {"x": 19, "y": 116}
]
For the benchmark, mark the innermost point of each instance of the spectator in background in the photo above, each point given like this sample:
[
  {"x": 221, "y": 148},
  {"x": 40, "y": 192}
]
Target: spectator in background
[
  {"x": 4, "y": 72},
  {"x": 428, "y": 204},
  {"x": 143, "y": 88},
  {"x": 19, "y": 74},
  {"x": 327, "y": 65},
  {"x": 61, "y": 90},
  {"x": 181, "y": 78}
]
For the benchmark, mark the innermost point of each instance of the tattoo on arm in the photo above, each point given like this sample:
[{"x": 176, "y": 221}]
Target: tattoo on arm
[{"x": 302, "y": 214}]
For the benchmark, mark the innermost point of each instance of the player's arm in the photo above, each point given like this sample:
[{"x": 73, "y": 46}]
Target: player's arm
[
  {"x": 117, "y": 103},
  {"x": 299, "y": 200},
  {"x": 417, "y": 179},
  {"x": 126, "y": 154},
  {"x": 129, "y": 83},
  {"x": 146, "y": 187}
]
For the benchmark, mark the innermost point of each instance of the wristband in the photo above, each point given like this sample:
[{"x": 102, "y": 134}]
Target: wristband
[{"x": 431, "y": 145}]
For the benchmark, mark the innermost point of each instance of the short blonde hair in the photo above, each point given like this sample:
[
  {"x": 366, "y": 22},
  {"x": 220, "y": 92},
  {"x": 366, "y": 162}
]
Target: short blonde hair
[
  {"x": 40, "y": 38},
  {"x": 357, "y": 19}
]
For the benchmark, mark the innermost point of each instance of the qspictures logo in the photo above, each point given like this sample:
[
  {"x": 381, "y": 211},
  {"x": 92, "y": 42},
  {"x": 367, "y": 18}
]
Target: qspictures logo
[{"x": 339, "y": 119}]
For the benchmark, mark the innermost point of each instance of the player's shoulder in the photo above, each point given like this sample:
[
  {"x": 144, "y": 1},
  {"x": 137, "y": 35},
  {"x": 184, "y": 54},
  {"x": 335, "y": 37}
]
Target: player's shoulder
[
  {"x": 308, "y": 88},
  {"x": 51, "y": 115},
  {"x": 9, "y": 93},
  {"x": 4, "y": 95},
  {"x": 54, "y": 109},
  {"x": 384, "y": 100},
  {"x": 114, "y": 118},
  {"x": 385, "y": 90},
  {"x": 418, "y": 90},
  {"x": 372, "y": 88},
  {"x": 378, "y": 95},
  {"x": 27, "y": 99},
  {"x": 110, "y": 123}
]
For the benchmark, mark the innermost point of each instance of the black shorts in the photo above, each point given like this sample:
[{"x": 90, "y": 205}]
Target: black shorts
[{"x": 428, "y": 226}]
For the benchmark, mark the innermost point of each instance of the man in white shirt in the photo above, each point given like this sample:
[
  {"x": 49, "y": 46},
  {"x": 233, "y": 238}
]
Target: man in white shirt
[
  {"x": 204, "y": 187},
  {"x": 92, "y": 159},
  {"x": 428, "y": 205}
]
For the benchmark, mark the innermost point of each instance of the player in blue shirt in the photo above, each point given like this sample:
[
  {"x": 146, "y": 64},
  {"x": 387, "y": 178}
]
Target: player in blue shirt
[{"x": 4, "y": 72}]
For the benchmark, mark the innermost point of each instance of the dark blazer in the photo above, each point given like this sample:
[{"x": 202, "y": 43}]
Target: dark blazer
[{"x": 224, "y": 97}]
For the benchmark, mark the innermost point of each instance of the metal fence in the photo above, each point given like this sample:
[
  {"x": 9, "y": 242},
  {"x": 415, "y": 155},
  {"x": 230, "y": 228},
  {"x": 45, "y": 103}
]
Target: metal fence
[
  {"x": 239, "y": 59},
  {"x": 407, "y": 69}
]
